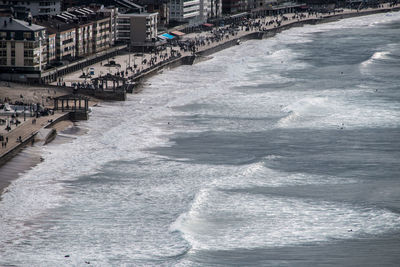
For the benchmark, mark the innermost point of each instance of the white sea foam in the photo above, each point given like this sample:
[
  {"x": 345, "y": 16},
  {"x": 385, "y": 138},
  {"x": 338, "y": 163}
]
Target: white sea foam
[
  {"x": 229, "y": 220},
  {"x": 381, "y": 55}
]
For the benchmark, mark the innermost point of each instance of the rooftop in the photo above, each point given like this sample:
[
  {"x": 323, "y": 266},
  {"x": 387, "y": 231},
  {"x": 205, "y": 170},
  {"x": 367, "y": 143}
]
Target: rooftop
[
  {"x": 8, "y": 24},
  {"x": 70, "y": 20},
  {"x": 138, "y": 14}
]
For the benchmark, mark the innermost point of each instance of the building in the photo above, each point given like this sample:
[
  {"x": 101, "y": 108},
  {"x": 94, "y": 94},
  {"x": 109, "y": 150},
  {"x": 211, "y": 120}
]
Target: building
[
  {"x": 28, "y": 8},
  {"x": 51, "y": 48},
  {"x": 137, "y": 29},
  {"x": 65, "y": 4},
  {"x": 111, "y": 12},
  {"x": 79, "y": 32},
  {"x": 214, "y": 9},
  {"x": 65, "y": 39},
  {"x": 157, "y": 6},
  {"x": 234, "y": 6},
  {"x": 23, "y": 49},
  {"x": 185, "y": 11},
  {"x": 203, "y": 11},
  {"x": 101, "y": 33},
  {"x": 84, "y": 39}
]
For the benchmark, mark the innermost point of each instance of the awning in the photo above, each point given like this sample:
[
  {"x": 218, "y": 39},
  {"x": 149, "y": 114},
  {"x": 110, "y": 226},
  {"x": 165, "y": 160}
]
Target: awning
[
  {"x": 208, "y": 24},
  {"x": 239, "y": 15},
  {"x": 177, "y": 33},
  {"x": 166, "y": 36}
]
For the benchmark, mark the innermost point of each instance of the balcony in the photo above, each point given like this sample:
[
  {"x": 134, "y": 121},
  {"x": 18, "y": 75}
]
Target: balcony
[
  {"x": 190, "y": 9},
  {"x": 189, "y": 15},
  {"x": 191, "y": 3}
]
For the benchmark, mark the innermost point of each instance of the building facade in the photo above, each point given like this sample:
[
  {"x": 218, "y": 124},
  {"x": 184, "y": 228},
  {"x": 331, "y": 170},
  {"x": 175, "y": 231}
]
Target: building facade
[
  {"x": 111, "y": 12},
  {"x": 65, "y": 44},
  {"x": 84, "y": 39},
  {"x": 23, "y": 46},
  {"x": 101, "y": 34},
  {"x": 51, "y": 48},
  {"x": 214, "y": 9},
  {"x": 234, "y": 6},
  {"x": 24, "y": 9},
  {"x": 137, "y": 29},
  {"x": 186, "y": 11}
]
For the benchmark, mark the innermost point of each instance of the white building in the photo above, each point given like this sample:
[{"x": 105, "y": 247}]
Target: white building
[
  {"x": 214, "y": 8},
  {"x": 23, "y": 49},
  {"x": 36, "y": 7}
]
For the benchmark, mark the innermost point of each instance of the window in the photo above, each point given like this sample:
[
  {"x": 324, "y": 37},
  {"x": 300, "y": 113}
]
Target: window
[
  {"x": 28, "y": 45},
  {"x": 28, "y": 62},
  {"x": 27, "y": 35},
  {"x": 28, "y": 53},
  {"x": 3, "y": 34},
  {"x": 12, "y": 35}
]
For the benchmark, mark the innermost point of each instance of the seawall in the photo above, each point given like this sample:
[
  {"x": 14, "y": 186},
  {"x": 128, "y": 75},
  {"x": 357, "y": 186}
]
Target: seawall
[
  {"x": 204, "y": 54},
  {"x": 29, "y": 140}
]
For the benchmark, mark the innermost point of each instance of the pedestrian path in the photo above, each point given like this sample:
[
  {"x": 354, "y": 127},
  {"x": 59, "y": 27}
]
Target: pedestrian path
[{"x": 25, "y": 131}]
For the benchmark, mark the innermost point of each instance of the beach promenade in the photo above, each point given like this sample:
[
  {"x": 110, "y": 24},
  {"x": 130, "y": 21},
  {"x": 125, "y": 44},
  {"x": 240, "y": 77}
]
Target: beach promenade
[
  {"x": 139, "y": 65},
  {"x": 24, "y": 134}
]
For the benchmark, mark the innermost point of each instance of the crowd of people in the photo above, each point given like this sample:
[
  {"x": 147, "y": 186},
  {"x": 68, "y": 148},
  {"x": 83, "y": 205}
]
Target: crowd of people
[{"x": 211, "y": 36}]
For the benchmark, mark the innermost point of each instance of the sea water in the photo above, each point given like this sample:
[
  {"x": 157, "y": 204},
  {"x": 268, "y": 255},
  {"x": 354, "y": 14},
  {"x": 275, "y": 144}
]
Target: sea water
[{"x": 280, "y": 152}]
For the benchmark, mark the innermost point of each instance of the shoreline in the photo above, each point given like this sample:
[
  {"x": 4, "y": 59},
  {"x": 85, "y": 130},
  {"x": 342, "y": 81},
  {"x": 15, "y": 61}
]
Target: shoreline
[
  {"x": 27, "y": 155},
  {"x": 7, "y": 158},
  {"x": 202, "y": 54}
]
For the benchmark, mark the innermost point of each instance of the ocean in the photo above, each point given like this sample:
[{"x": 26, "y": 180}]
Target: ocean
[{"x": 280, "y": 152}]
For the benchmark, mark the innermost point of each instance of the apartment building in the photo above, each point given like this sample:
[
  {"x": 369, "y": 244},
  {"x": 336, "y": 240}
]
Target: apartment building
[
  {"x": 137, "y": 29},
  {"x": 101, "y": 34},
  {"x": 157, "y": 6},
  {"x": 214, "y": 8},
  {"x": 84, "y": 39},
  {"x": 234, "y": 6},
  {"x": 23, "y": 46},
  {"x": 65, "y": 39},
  {"x": 185, "y": 11},
  {"x": 79, "y": 33},
  {"x": 24, "y": 9},
  {"x": 111, "y": 12},
  {"x": 51, "y": 48}
]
